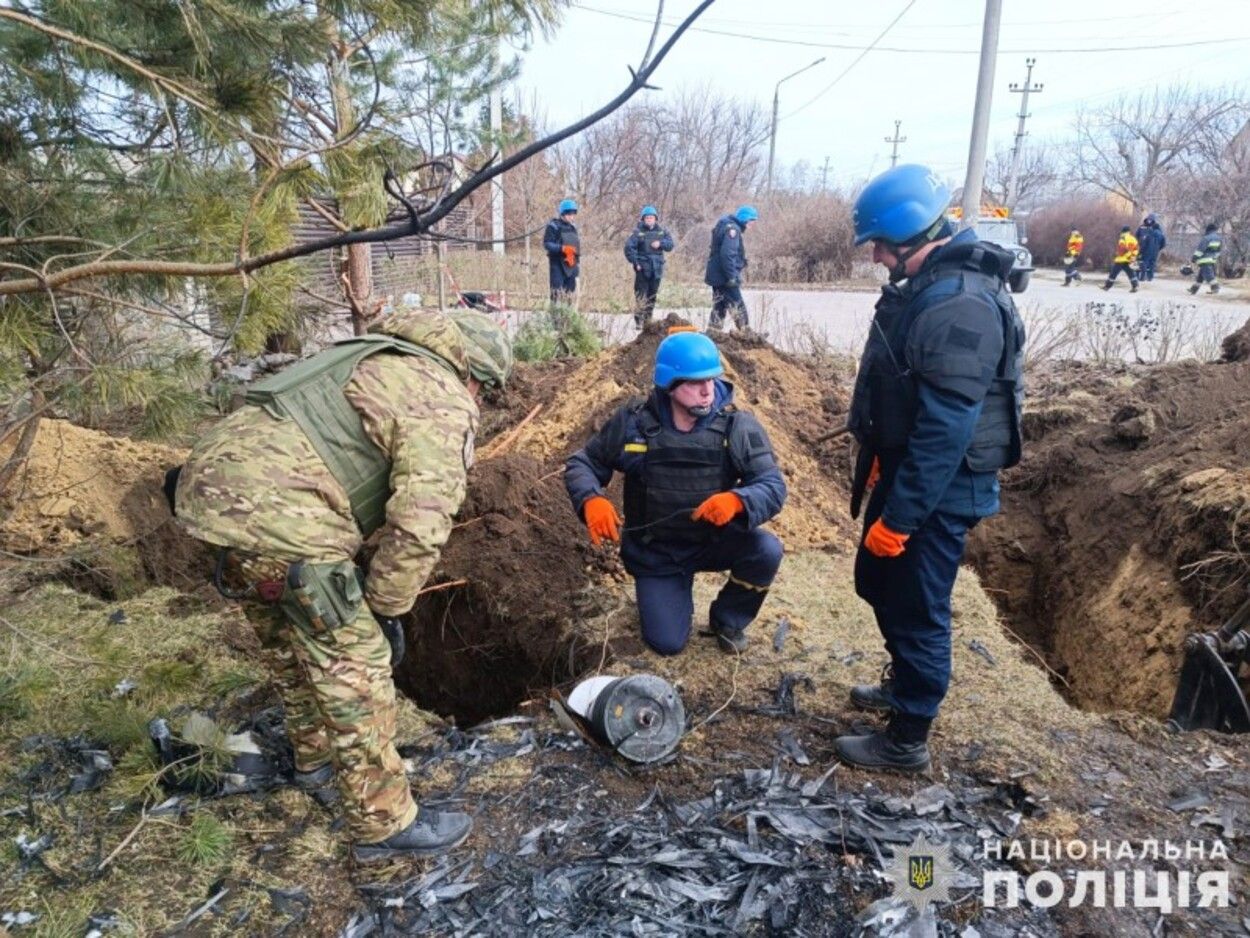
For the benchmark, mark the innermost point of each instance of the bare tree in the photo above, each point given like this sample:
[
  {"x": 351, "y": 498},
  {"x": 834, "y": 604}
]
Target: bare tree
[
  {"x": 1130, "y": 147},
  {"x": 1038, "y": 175},
  {"x": 1215, "y": 183},
  {"x": 691, "y": 156}
]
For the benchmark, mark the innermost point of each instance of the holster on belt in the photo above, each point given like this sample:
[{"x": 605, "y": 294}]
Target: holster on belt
[{"x": 322, "y": 596}]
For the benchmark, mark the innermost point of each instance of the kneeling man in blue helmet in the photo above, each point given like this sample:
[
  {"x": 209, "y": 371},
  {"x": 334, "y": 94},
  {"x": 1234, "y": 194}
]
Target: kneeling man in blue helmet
[
  {"x": 936, "y": 412},
  {"x": 700, "y": 479}
]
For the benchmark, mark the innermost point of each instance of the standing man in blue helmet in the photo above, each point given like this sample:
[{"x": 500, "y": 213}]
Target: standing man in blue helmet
[
  {"x": 564, "y": 248},
  {"x": 700, "y": 479},
  {"x": 645, "y": 252},
  {"x": 726, "y": 260},
  {"x": 936, "y": 411}
]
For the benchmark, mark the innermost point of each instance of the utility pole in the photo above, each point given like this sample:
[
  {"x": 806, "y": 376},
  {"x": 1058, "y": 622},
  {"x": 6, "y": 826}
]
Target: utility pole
[
  {"x": 824, "y": 176},
  {"x": 974, "y": 179},
  {"x": 496, "y": 133},
  {"x": 896, "y": 140},
  {"x": 1017, "y": 151},
  {"x": 772, "y": 133}
]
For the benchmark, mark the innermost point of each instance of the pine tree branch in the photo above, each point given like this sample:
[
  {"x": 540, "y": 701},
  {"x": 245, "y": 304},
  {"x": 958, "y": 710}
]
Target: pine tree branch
[{"x": 419, "y": 225}]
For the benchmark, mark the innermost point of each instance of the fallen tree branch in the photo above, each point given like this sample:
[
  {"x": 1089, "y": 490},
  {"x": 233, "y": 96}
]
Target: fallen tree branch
[
  {"x": 415, "y": 225},
  {"x": 450, "y": 584},
  {"x": 498, "y": 449}
]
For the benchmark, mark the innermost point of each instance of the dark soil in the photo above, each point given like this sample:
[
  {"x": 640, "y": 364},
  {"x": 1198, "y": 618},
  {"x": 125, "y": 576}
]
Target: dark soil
[
  {"x": 1126, "y": 526},
  {"x": 477, "y": 650}
]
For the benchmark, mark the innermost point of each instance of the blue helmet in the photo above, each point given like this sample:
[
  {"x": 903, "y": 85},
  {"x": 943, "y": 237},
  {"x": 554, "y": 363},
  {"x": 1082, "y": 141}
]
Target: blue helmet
[
  {"x": 686, "y": 356},
  {"x": 568, "y": 205},
  {"x": 901, "y": 204},
  {"x": 746, "y": 213},
  {"x": 648, "y": 210}
]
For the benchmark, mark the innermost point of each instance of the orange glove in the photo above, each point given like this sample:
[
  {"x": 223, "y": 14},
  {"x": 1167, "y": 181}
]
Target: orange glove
[
  {"x": 882, "y": 542},
  {"x": 601, "y": 520},
  {"x": 570, "y": 255},
  {"x": 719, "y": 509},
  {"x": 874, "y": 473}
]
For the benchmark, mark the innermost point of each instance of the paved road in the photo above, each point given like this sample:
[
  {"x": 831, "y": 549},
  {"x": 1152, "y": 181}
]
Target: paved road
[{"x": 1161, "y": 320}]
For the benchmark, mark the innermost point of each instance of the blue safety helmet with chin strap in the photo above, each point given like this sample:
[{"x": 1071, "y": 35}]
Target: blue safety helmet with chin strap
[
  {"x": 746, "y": 213},
  {"x": 686, "y": 356},
  {"x": 648, "y": 210},
  {"x": 568, "y": 205},
  {"x": 902, "y": 205}
]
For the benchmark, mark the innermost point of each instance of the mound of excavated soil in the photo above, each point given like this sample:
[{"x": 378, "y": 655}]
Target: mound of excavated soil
[
  {"x": 797, "y": 402},
  {"x": 525, "y": 612},
  {"x": 98, "y": 497},
  {"x": 1127, "y": 525}
]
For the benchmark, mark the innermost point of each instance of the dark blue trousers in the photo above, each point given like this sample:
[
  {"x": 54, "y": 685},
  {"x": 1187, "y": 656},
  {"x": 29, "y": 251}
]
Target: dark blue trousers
[
  {"x": 561, "y": 280},
  {"x": 666, "y": 603},
  {"x": 911, "y": 598},
  {"x": 728, "y": 301}
]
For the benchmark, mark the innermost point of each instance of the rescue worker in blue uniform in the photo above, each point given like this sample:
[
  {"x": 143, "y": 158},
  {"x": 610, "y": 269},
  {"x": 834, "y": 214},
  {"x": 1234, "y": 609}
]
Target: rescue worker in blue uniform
[
  {"x": 1152, "y": 241},
  {"x": 1205, "y": 257},
  {"x": 564, "y": 248},
  {"x": 726, "y": 260},
  {"x": 645, "y": 250},
  {"x": 936, "y": 412},
  {"x": 700, "y": 480}
]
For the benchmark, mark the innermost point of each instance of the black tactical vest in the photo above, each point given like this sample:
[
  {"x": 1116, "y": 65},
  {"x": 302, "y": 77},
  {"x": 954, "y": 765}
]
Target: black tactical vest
[
  {"x": 680, "y": 472},
  {"x": 568, "y": 235},
  {"x": 884, "y": 405}
]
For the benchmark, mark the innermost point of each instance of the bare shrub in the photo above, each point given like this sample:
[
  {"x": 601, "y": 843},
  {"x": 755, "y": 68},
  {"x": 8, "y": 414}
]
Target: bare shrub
[
  {"x": 1094, "y": 217},
  {"x": 803, "y": 238}
]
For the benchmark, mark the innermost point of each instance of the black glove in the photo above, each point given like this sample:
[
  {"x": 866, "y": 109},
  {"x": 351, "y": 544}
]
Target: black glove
[{"x": 393, "y": 629}]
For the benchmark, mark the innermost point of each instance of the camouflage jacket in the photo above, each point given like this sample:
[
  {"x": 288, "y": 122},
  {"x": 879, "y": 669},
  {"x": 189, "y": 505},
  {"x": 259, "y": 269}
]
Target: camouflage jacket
[{"x": 254, "y": 483}]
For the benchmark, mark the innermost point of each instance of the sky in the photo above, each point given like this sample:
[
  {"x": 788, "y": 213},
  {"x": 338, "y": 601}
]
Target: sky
[{"x": 930, "y": 85}]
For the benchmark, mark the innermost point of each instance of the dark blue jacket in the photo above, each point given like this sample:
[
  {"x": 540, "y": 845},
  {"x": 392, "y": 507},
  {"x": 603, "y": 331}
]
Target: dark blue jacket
[
  {"x": 559, "y": 233},
  {"x": 931, "y": 473},
  {"x": 640, "y": 254},
  {"x": 614, "y": 449},
  {"x": 727, "y": 256},
  {"x": 1151, "y": 241}
]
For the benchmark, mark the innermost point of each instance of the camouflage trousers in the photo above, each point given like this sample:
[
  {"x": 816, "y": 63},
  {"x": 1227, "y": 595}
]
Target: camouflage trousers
[{"x": 340, "y": 704}]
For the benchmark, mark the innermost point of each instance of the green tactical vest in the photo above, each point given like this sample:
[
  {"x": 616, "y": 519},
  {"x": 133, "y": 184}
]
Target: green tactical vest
[{"x": 311, "y": 393}]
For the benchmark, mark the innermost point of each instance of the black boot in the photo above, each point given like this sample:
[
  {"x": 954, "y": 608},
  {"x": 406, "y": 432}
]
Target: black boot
[
  {"x": 1108, "y": 285},
  {"x": 432, "y": 832},
  {"x": 900, "y": 747},
  {"x": 731, "y": 643},
  {"x": 1193, "y": 289},
  {"x": 1133, "y": 288},
  {"x": 875, "y": 696},
  {"x": 318, "y": 784}
]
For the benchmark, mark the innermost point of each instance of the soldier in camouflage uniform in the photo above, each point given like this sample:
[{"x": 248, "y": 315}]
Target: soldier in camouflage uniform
[{"x": 373, "y": 434}]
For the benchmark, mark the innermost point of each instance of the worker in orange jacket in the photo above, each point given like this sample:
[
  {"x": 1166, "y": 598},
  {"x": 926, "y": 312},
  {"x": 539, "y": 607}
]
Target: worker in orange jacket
[
  {"x": 1072, "y": 260},
  {"x": 1125, "y": 257}
]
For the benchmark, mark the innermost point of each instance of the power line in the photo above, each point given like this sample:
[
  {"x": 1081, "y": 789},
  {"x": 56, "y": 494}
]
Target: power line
[
  {"x": 854, "y": 62},
  {"x": 926, "y": 51}
]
